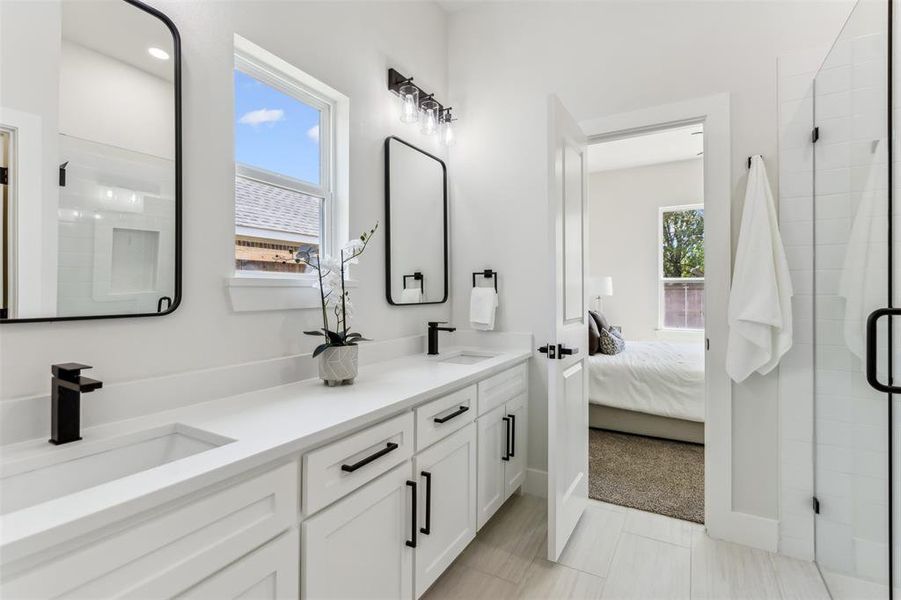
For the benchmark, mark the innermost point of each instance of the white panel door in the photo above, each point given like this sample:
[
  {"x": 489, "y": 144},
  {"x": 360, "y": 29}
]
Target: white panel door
[
  {"x": 447, "y": 497},
  {"x": 515, "y": 468},
  {"x": 567, "y": 353},
  {"x": 358, "y": 547},
  {"x": 269, "y": 573},
  {"x": 492, "y": 449}
]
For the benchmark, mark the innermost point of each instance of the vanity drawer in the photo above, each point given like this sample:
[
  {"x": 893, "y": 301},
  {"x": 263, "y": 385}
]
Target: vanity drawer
[
  {"x": 339, "y": 468},
  {"x": 500, "y": 388},
  {"x": 445, "y": 415},
  {"x": 164, "y": 552}
]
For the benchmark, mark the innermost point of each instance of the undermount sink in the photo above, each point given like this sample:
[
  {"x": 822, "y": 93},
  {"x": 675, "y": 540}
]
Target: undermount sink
[
  {"x": 466, "y": 357},
  {"x": 65, "y": 470}
]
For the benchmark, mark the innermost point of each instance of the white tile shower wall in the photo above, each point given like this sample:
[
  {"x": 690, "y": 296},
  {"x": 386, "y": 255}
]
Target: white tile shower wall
[{"x": 795, "y": 99}]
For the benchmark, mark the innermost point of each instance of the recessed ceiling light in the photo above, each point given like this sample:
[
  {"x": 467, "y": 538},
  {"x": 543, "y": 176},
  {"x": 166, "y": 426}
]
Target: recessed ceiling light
[{"x": 158, "y": 53}]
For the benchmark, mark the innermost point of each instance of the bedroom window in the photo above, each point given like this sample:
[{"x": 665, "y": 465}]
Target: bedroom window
[
  {"x": 285, "y": 170},
  {"x": 681, "y": 267}
]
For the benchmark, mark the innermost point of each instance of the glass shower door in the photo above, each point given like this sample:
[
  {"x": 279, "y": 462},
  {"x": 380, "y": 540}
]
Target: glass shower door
[{"x": 852, "y": 278}]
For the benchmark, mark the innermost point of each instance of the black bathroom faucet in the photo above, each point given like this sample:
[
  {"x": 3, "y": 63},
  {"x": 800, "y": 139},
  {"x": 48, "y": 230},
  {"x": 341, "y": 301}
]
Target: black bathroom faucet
[
  {"x": 67, "y": 386},
  {"x": 433, "y": 335}
]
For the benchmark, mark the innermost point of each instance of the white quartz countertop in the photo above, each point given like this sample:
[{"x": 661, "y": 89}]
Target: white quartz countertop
[{"x": 267, "y": 425}]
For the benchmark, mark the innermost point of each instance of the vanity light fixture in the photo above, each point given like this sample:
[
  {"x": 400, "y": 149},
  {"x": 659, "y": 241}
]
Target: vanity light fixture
[
  {"x": 418, "y": 105},
  {"x": 158, "y": 53}
]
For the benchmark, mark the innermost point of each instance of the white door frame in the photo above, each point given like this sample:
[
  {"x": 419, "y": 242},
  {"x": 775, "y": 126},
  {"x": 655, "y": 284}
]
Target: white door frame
[{"x": 721, "y": 520}]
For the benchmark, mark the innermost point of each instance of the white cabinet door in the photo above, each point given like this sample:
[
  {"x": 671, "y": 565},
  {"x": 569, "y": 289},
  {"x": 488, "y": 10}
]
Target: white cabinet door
[
  {"x": 269, "y": 573},
  {"x": 447, "y": 497},
  {"x": 360, "y": 546},
  {"x": 515, "y": 468},
  {"x": 492, "y": 449}
]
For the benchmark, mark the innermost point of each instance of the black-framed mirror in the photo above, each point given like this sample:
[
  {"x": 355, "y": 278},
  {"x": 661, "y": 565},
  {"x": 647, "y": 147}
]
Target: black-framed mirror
[
  {"x": 415, "y": 225},
  {"x": 90, "y": 161}
]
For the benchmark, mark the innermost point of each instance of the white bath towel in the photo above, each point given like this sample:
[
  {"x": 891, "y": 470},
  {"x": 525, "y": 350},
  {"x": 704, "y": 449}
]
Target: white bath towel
[
  {"x": 482, "y": 308},
  {"x": 760, "y": 312},
  {"x": 863, "y": 282},
  {"x": 411, "y": 296}
]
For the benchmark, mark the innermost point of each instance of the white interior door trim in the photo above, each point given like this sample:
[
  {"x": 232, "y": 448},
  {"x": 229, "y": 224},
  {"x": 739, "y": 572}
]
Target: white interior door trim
[{"x": 714, "y": 112}]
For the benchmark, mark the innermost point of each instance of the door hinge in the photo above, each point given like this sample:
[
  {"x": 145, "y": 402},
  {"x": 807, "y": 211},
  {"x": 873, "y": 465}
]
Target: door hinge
[
  {"x": 707, "y": 340},
  {"x": 62, "y": 174},
  {"x": 816, "y": 505},
  {"x": 4, "y": 176},
  {"x": 815, "y": 135}
]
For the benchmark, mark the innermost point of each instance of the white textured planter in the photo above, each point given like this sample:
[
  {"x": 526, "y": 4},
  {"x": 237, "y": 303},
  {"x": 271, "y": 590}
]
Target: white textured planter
[{"x": 338, "y": 365}]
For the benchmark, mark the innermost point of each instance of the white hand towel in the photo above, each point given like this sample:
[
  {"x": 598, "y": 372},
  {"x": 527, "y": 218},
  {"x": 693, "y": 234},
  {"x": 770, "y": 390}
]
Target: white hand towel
[
  {"x": 411, "y": 296},
  {"x": 482, "y": 307},
  {"x": 760, "y": 313}
]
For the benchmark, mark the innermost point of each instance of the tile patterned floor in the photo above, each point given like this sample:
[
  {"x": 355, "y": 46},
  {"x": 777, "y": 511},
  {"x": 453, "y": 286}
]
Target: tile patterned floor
[{"x": 617, "y": 553}]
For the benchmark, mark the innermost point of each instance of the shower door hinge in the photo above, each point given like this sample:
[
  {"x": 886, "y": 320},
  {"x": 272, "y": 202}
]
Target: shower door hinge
[
  {"x": 816, "y": 505},
  {"x": 815, "y": 135},
  {"x": 708, "y": 343},
  {"x": 4, "y": 176}
]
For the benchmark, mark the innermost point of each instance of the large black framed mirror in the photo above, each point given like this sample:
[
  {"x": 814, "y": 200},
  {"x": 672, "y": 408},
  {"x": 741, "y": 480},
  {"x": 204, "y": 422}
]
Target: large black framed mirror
[
  {"x": 415, "y": 225},
  {"x": 90, "y": 161}
]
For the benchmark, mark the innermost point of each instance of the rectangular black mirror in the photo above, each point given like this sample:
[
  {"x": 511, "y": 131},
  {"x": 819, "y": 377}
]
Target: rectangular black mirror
[
  {"x": 90, "y": 161},
  {"x": 416, "y": 225}
]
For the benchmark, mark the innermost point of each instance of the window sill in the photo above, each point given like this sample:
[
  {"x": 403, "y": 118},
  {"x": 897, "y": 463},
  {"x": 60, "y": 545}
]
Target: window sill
[{"x": 262, "y": 292}]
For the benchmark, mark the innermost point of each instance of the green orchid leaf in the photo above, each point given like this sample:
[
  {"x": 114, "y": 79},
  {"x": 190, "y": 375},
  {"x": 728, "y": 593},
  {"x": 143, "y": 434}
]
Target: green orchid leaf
[{"x": 320, "y": 349}]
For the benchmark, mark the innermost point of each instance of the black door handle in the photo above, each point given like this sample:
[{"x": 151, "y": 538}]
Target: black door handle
[
  {"x": 512, "y": 452},
  {"x": 456, "y": 413},
  {"x": 428, "y": 503},
  {"x": 871, "y": 352},
  {"x": 506, "y": 455},
  {"x": 362, "y": 463},
  {"x": 413, "y": 519},
  {"x": 564, "y": 351}
]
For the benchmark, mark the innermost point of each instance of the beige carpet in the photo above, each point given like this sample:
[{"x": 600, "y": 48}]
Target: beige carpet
[{"x": 660, "y": 476}]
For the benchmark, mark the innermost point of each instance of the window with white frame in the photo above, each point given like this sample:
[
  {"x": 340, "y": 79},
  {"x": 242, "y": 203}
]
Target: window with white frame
[
  {"x": 681, "y": 267},
  {"x": 285, "y": 172}
]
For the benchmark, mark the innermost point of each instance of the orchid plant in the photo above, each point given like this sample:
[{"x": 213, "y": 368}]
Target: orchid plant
[{"x": 335, "y": 298}]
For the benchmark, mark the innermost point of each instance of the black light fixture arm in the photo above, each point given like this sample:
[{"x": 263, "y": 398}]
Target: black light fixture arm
[{"x": 396, "y": 80}]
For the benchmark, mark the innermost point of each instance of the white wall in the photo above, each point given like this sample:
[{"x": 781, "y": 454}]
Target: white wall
[
  {"x": 624, "y": 207},
  {"x": 348, "y": 46},
  {"x": 605, "y": 58}
]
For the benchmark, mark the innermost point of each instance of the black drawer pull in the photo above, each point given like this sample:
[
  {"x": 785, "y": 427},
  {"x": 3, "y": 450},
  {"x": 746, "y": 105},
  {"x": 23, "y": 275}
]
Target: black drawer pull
[
  {"x": 512, "y": 435},
  {"x": 351, "y": 468},
  {"x": 506, "y": 455},
  {"x": 456, "y": 413},
  {"x": 428, "y": 504},
  {"x": 412, "y": 543}
]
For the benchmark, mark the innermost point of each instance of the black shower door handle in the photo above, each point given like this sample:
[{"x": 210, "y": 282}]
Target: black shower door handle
[{"x": 872, "y": 353}]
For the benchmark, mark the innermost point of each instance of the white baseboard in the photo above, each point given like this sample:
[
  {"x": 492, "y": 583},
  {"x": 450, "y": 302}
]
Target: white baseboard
[
  {"x": 535, "y": 483},
  {"x": 745, "y": 529}
]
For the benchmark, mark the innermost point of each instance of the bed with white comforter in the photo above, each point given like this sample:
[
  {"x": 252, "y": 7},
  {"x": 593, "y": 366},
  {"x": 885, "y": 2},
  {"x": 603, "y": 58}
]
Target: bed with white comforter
[{"x": 659, "y": 378}]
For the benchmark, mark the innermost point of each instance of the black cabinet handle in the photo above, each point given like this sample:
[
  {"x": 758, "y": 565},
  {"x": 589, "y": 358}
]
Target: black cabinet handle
[
  {"x": 428, "y": 503},
  {"x": 456, "y": 413},
  {"x": 362, "y": 463},
  {"x": 506, "y": 455},
  {"x": 413, "y": 520},
  {"x": 512, "y": 452},
  {"x": 871, "y": 350}
]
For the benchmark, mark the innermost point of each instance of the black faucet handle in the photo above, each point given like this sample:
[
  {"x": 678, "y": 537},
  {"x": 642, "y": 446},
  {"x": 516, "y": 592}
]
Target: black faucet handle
[{"x": 68, "y": 371}]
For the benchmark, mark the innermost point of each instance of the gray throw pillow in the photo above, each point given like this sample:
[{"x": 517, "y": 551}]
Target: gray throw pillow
[
  {"x": 612, "y": 342},
  {"x": 600, "y": 319},
  {"x": 594, "y": 337}
]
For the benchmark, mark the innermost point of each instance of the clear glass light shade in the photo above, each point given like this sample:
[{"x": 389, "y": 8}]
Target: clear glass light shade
[
  {"x": 429, "y": 117},
  {"x": 409, "y": 107},
  {"x": 447, "y": 132}
]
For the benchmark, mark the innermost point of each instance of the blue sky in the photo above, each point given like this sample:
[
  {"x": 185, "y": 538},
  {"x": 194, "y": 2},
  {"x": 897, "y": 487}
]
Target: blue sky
[{"x": 274, "y": 131}]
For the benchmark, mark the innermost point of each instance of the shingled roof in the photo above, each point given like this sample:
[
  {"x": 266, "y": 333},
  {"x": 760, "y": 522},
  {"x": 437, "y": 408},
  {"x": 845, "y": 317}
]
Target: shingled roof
[{"x": 263, "y": 206}]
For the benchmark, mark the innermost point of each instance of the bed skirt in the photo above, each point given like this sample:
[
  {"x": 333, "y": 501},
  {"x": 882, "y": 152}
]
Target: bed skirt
[{"x": 630, "y": 421}]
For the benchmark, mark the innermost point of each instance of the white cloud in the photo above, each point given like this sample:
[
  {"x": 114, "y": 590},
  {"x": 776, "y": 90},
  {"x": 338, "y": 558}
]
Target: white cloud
[
  {"x": 262, "y": 116},
  {"x": 313, "y": 133}
]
